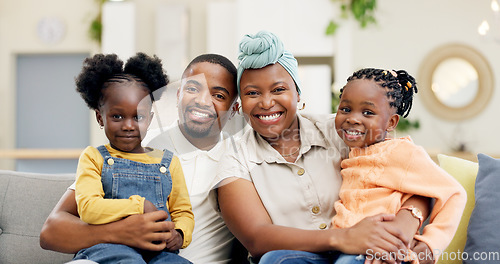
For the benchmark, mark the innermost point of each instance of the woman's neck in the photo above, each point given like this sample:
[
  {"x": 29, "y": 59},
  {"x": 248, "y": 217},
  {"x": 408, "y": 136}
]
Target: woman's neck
[{"x": 288, "y": 143}]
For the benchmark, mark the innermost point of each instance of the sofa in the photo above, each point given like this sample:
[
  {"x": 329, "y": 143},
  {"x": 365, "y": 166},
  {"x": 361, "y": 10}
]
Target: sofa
[
  {"x": 26, "y": 200},
  {"x": 477, "y": 239}
]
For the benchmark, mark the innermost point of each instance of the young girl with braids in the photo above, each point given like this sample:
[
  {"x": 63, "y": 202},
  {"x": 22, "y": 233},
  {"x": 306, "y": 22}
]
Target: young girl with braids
[
  {"x": 123, "y": 178},
  {"x": 381, "y": 173}
]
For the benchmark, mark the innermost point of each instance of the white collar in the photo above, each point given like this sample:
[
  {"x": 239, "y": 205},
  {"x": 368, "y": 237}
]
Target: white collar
[{"x": 186, "y": 151}]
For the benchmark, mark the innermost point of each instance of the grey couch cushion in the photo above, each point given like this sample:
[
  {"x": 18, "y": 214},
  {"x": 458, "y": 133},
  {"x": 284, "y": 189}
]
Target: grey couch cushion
[
  {"x": 26, "y": 200},
  {"x": 483, "y": 238}
]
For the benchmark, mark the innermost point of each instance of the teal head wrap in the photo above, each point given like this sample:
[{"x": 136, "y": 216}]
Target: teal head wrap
[{"x": 262, "y": 49}]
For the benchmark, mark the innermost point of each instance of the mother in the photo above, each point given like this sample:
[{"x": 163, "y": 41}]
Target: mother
[{"x": 276, "y": 191}]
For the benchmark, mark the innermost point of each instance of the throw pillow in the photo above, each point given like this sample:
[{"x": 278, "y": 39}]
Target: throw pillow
[
  {"x": 483, "y": 236},
  {"x": 464, "y": 171}
]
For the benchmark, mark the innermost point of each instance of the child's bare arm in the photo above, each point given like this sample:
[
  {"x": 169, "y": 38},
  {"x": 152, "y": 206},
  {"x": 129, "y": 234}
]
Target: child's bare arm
[
  {"x": 407, "y": 223},
  {"x": 419, "y": 248}
]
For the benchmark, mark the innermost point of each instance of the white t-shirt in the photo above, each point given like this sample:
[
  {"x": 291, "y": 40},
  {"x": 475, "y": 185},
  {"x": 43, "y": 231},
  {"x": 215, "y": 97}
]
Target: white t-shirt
[{"x": 212, "y": 241}]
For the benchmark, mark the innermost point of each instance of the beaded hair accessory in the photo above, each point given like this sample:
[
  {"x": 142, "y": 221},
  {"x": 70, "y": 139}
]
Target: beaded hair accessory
[
  {"x": 408, "y": 84},
  {"x": 392, "y": 72}
]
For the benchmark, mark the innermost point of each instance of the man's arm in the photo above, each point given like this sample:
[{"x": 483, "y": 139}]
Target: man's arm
[{"x": 63, "y": 230}]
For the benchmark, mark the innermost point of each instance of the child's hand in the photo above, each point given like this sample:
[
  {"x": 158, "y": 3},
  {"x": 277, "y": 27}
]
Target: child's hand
[
  {"x": 407, "y": 223},
  {"x": 423, "y": 252},
  {"x": 149, "y": 207},
  {"x": 175, "y": 241}
]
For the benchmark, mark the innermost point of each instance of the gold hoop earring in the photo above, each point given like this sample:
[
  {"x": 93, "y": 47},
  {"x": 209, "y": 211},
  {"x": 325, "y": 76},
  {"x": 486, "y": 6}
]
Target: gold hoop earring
[{"x": 303, "y": 106}]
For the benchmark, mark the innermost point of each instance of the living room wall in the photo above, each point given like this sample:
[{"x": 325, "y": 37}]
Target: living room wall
[
  {"x": 406, "y": 32},
  {"x": 18, "y": 35}
]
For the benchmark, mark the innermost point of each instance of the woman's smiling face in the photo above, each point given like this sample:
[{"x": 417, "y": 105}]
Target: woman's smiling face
[{"x": 269, "y": 100}]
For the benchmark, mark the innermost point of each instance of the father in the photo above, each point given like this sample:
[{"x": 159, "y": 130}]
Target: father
[{"x": 206, "y": 100}]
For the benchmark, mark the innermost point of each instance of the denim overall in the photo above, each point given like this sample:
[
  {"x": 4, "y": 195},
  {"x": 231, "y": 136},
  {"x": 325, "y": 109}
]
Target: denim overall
[
  {"x": 303, "y": 257},
  {"x": 122, "y": 178}
]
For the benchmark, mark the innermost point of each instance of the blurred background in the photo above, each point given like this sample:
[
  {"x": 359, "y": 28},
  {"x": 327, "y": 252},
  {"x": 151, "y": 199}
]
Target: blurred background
[{"x": 450, "y": 47}]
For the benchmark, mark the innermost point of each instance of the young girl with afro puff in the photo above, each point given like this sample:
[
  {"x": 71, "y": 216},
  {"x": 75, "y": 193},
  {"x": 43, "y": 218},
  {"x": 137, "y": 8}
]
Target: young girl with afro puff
[
  {"x": 123, "y": 178},
  {"x": 381, "y": 173}
]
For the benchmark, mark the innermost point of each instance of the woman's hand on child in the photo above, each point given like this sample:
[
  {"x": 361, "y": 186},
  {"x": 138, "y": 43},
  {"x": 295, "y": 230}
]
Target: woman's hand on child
[
  {"x": 175, "y": 240},
  {"x": 375, "y": 239}
]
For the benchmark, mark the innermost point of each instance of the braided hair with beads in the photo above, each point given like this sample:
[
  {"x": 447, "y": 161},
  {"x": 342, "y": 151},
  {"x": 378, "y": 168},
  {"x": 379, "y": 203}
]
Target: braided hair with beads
[{"x": 399, "y": 84}]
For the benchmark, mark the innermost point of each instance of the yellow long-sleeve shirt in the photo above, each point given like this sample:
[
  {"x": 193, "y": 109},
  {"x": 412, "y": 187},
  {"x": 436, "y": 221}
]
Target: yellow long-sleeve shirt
[
  {"x": 93, "y": 208},
  {"x": 381, "y": 177}
]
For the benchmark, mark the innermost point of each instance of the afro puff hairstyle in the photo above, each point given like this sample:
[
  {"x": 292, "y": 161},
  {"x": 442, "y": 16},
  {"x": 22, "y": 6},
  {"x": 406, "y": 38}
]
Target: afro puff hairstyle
[{"x": 101, "y": 70}]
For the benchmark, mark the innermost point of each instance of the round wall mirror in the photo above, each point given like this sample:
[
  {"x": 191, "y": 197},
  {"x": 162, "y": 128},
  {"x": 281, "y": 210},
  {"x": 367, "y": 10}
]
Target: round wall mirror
[{"x": 456, "y": 82}]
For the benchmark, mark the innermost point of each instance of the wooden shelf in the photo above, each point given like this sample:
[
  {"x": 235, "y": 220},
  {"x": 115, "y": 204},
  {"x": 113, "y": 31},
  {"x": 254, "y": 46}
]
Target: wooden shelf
[{"x": 40, "y": 153}]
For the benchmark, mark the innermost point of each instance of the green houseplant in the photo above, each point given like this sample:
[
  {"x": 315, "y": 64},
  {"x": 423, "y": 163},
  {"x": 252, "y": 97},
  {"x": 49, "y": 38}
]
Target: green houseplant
[
  {"x": 95, "y": 27},
  {"x": 362, "y": 10}
]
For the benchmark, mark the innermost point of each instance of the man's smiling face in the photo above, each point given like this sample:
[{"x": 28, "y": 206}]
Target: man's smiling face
[{"x": 204, "y": 99}]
